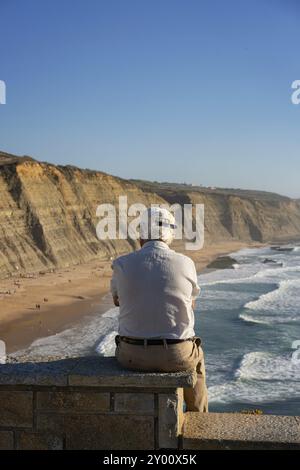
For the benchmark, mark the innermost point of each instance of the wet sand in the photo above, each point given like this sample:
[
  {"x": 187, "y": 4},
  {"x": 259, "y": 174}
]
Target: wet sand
[{"x": 49, "y": 303}]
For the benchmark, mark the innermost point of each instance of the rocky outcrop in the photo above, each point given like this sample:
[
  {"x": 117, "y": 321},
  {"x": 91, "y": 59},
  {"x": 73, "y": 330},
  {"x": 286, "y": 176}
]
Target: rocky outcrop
[{"x": 48, "y": 214}]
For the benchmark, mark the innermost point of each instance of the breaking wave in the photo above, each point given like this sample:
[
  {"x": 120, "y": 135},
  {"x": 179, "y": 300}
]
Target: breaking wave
[
  {"x": 93, "y": 334},
  {"x": 261, "y": 377},
  {"x": 282, "y": 305}
]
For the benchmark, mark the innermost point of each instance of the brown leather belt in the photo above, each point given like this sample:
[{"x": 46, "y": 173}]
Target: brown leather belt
[{"x": 152, "y": 342}]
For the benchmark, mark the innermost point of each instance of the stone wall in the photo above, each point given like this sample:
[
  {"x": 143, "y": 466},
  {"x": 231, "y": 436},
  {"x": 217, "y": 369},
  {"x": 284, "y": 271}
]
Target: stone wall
[
  {"x": 89, "y": 403},
  {"x": 92, "y": 403},
  {"x": 235, "y": 431}
]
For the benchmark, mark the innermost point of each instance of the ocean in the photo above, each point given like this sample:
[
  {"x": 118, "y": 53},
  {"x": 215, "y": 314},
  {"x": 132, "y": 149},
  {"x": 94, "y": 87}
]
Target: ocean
[{"x": 248, "y": 318}]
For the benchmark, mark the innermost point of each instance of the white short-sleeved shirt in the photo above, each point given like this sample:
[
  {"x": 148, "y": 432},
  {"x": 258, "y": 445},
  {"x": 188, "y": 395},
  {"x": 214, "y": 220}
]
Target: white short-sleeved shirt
[{"x": 155, "y": 286}]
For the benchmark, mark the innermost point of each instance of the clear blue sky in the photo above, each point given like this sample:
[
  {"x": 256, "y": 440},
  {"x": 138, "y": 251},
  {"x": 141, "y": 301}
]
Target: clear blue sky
[{"x": 169, "y": 90}]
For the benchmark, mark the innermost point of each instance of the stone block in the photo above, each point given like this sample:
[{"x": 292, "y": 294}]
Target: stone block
[
  {"x": 134, "y": 403},
  {"x": 106, "y": 372},
  {"x": 16, "y": 408},
  {"x": 39, "y": 441},
  {"x": 101, "y": 431},
  {"x": 240, "y": 431},
  {"x": 170, "y": 418},
  {"x": 89, "y": 371},
  {"x": 6, "y": 440},
  {"x": 37, "y": 373},
  {"x": 73, "y": 401}
]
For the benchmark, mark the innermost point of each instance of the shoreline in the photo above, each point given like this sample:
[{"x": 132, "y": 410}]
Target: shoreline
[
  {"x": 73, "y": 294},
  {"x": 70, "y": 294}
]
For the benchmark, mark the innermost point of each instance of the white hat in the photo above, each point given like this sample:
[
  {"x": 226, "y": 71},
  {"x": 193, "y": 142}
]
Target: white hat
[{"x": 157, "y": 223}]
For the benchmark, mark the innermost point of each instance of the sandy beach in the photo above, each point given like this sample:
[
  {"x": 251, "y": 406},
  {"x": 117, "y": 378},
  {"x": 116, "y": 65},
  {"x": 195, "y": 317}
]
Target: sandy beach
[{"x": 44, "y": 304}]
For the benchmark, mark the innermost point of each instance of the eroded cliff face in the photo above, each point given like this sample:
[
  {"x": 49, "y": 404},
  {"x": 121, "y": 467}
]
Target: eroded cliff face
[
  {"x": 249, "y": 216},
  {"x": 48, "y": 214},
  {"x": 239, "y": 218}
]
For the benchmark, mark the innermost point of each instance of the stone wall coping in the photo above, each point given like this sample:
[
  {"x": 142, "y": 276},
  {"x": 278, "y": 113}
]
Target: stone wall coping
[
  {"x": 91, "y": 372},
  {"x": 240, "y": 431}
]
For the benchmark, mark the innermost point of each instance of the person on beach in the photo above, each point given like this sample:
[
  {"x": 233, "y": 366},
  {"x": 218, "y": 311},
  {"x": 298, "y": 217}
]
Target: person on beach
[{"x": 156, "y": 288}]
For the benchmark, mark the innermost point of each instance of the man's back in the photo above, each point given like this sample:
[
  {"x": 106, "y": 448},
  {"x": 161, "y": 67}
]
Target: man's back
[{"x": 155, "y": 287}]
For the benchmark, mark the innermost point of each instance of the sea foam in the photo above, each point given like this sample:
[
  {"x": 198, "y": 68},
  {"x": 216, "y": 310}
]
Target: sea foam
[{"x": 261, "y": 377}]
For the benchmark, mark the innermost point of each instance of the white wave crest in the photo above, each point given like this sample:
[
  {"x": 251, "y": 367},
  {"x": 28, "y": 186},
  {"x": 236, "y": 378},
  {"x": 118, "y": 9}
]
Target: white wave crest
[
  {"x": 106, "y": 345},
  {"x": 93, "y": 333},
  {"x": 261, "y": 377},
  {"x": 252, "y": 319},
  {"x": 280, "y": 305},
  {"x": 267, "y": 366}
]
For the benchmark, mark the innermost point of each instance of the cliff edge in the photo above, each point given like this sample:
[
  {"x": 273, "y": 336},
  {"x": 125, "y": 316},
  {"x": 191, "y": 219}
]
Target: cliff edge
[{"x": 48, "y": 213}]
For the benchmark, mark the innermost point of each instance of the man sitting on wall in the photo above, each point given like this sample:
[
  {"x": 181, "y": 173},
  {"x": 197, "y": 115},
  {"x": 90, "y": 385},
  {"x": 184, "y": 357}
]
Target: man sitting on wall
[{"x": 156, "y": 288}]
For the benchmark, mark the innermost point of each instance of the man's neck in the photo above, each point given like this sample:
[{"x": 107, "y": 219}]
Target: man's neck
[{"x": 161, "y": 243}]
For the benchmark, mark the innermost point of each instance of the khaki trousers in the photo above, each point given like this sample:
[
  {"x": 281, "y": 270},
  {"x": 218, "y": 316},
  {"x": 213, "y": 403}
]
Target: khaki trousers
[{"x": 169, "y": 358}]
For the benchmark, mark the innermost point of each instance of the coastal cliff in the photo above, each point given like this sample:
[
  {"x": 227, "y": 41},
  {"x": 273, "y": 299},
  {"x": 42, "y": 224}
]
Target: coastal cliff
[
  {"x": 48, "y": 213},
  {"x": 236, "y": 214}
]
